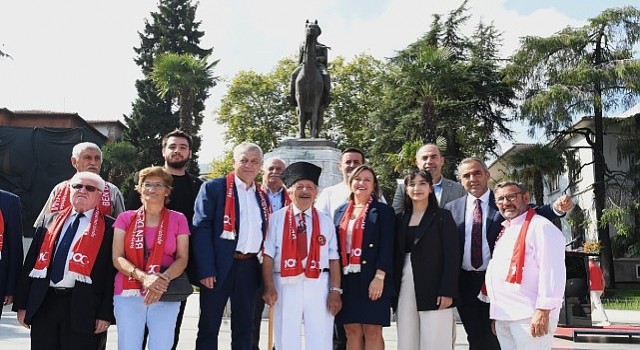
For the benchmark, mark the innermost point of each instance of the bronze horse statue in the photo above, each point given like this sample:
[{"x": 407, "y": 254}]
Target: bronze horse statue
[{"x": 309, "y": 86}]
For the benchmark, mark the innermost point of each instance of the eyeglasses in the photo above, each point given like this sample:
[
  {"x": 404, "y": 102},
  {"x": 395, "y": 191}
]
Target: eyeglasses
[
  {"x": 89, "y": 188},
  {"x": 508, "y": 197},
  {"x": 154, "y": 185},
  {"x": 304, "y": 188}
]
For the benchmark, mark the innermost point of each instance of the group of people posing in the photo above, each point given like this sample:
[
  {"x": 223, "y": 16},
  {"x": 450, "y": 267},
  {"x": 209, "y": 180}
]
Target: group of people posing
[{"x": 337, "y": 260}]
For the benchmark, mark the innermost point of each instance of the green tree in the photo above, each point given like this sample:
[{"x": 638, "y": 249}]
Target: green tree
[
  {"x": 120, "y": 163},
  {"x": 173, "y": 28},
  {"x": 255, "y": 108},
  {"x": 577, "y": 71},
  {"x": 532, "y": 164},
  {"x": 185, "y": 77},
  {"x": 444, "y": 85}
]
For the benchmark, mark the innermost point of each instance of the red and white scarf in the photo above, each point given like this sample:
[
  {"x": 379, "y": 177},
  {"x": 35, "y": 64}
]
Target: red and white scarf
[
  {"x": 62, "y": 199},
  {"x": 229, "y": 229},
  {"x": 291, "y": 262},
  {"x": 84, "y": 252},
  {"x": 1, "y": 233},
  {"x": 134, "y": 249},
  {"x": 516, "y": 265},
  {"x": 351, "y": 262}
]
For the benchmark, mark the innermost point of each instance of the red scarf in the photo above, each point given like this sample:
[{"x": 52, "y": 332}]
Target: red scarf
[
  {"x": 352, "y": 263},
  {"x": 84, "y": 251},
  {"x": 61, "y": 199},
  {"x": 1, "y": 233},
  {"x": 517, "y": 259},
  {"x": 229, "y": 224},
  {"x": 290, "y": 262},
  {"x": 134, "y": 249}
]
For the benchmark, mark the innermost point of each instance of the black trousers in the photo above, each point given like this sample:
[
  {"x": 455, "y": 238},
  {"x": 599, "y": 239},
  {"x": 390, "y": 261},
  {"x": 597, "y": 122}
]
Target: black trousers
[
  {"x": 474, "y": 313},
  {"x": 51, "y": 326}
]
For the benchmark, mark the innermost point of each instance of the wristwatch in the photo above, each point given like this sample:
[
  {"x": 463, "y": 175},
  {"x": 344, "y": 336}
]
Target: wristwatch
[
  {"x": 336, "y": 289},
  {"x": 380, "y": 276}
]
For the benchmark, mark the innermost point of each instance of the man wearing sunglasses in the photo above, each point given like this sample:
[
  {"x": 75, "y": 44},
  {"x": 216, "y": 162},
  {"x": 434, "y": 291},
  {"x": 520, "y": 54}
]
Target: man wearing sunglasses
[
  {"x": 65, "y": 291},
  {"x": 479, "y": 224},
  {"x": 85, "y": 156}
]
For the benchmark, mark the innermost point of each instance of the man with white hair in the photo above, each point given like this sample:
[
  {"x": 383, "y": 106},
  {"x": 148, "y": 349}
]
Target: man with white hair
[
  {"x": 85, "y": 156},
  {"x": 65, "y": 291},
  {"x": 230, "y": 219}
]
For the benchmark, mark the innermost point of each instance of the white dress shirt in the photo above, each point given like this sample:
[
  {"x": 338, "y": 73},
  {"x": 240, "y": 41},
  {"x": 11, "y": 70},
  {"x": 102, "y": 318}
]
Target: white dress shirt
[
  {"x": 468, "y": 224},
  {"x": 250, "y": 220},
  {"x": 543, "y": 278}
]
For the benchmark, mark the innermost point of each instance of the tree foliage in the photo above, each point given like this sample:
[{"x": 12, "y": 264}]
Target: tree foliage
[
  {"x": 120, "y": 163},
  {"x": 255, "y": 107},
  {"x": 577, "y": 71},
  {"x": 173, "y": 28},
  {"x": 532, "y": 164},
  {"x": 445, "y": 86}
]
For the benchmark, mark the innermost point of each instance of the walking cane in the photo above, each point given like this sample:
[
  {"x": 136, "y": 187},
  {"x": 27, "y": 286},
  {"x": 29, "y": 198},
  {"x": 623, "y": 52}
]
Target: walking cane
[{"x": 270, "y": 343}]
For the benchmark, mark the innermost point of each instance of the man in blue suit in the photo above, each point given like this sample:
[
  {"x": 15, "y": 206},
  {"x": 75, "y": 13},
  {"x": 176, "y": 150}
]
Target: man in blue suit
[
  {"x": 10, "y": 245},
  {"x": 479, "y": 224},
  {"x": 230, "y": 220}
]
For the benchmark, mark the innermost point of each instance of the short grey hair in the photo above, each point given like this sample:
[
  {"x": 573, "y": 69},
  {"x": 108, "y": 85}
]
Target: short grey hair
[
  {"x": 245, "y": 147},
  {"x": 88, "y": 176},
  {"x": 474, "y": 159},
  {"x": 266, "y": 161},
  {"x": 83, "y": 146}
]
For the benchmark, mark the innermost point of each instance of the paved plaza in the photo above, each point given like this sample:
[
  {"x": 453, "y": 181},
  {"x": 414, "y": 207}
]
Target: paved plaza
[{"x": 15, "y": 337}]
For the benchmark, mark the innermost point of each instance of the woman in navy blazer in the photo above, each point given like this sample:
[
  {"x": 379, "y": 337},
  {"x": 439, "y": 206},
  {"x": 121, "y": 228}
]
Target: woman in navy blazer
[
  {"x": 426, "y": 268},
  {"x": 365, "y": 229}
]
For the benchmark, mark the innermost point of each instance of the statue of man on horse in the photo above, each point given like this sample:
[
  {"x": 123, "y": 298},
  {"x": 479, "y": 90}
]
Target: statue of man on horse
[{"x": 311, "y": 82}]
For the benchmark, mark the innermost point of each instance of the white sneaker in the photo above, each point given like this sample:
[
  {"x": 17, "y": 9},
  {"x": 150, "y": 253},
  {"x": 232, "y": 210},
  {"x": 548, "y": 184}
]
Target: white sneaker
[{"x": 603, "y": 324}]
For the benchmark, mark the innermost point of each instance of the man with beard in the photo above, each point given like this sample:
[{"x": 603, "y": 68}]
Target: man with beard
[
  {"x": 65, "y": 291},
  {"x": 525, "y": 278},
  {"x": 176, "y": 150}
]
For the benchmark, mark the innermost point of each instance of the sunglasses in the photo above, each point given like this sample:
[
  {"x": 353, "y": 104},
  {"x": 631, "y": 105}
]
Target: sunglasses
[{"x": 89, "y": 188}]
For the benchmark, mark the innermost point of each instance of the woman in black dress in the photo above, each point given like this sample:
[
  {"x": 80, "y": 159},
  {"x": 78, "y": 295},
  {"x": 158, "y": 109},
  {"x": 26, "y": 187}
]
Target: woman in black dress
[
  {"x": 426, "y": 268},
  {"x": 365, "y": 230}
]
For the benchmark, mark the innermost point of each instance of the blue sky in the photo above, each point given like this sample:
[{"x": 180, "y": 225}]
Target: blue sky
[{"x": 77, "y": 56}]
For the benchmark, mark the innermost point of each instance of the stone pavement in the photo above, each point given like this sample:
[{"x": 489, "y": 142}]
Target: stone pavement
[{"x": 15, "y": 337}]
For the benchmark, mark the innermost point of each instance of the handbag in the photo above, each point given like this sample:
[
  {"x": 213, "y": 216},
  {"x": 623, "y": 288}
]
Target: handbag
[{"x": 179, "y": 289}]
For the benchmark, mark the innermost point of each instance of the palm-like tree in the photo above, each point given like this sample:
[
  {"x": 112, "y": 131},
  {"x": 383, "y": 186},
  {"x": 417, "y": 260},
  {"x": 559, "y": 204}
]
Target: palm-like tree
[
  {"x": 533, "y": 163},
  {"x": 184, "y": 77}
]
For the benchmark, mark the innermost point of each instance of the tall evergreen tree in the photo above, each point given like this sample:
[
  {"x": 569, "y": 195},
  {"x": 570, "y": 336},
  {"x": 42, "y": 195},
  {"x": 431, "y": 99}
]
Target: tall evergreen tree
[
  {"x": 578, "y": 71},
  {"x": 173, "y": 28}
]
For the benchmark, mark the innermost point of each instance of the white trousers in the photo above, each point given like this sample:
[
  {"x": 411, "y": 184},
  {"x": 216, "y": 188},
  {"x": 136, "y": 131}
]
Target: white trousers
[
  {"x": 516, "y": 335},
  {"x": 421, "y": 330},
  {"x": 596, "y": 303},
  {"x": 303, "y": 301},
  {"x": 132, "y": 315}
]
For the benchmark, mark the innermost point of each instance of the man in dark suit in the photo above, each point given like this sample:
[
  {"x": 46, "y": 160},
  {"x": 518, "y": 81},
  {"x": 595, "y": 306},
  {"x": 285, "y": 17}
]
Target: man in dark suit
[
  {"x": 479, "y": 224},
  {"x": 65, "y": 292},
  {"x": 230, "y": 220},
  {"x": 10, "y": 245},
  {"x": 176, "y": 150},
  {"x": 429, "y": 158}
]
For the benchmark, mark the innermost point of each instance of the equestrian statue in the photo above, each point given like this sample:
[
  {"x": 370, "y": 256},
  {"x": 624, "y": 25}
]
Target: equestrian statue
[{"x": 310, "y": 82}]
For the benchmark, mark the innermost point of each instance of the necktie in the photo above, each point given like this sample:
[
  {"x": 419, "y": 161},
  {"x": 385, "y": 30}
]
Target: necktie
[
  {"x": 476, "y": 236},
  {"x": 60, "y": 258},
  {"x": 302, "y": 237}
]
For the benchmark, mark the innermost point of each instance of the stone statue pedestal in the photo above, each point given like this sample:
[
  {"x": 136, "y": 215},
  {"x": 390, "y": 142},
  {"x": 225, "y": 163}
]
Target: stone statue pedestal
[{"x": 320, "y": 152}]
